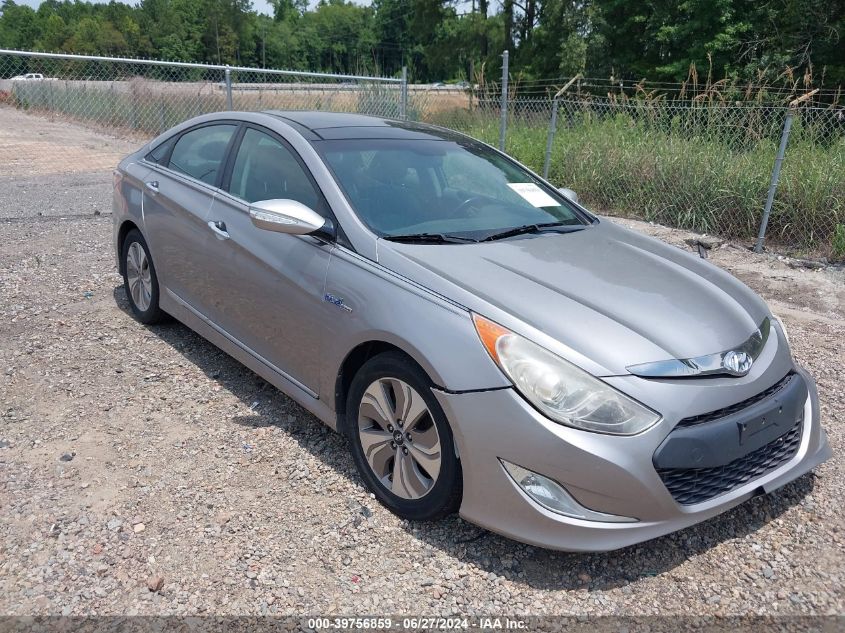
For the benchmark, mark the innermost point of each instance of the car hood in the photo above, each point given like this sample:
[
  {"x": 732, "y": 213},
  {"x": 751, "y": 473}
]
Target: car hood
[{"x": 611, "y": 295}]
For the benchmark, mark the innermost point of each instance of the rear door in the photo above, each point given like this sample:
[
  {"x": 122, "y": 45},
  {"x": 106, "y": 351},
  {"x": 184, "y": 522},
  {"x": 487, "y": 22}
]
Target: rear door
[
  {"x": 269, "y": 286},
  {"x": 185, "y": 174}
]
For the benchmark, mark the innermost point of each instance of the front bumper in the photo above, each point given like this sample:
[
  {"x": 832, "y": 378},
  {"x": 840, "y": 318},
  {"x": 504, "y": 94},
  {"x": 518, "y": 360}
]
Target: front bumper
[{"x": 609, "y": 474}]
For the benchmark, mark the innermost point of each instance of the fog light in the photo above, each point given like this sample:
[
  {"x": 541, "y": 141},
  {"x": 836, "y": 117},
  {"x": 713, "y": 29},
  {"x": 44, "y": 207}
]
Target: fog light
[{"x": 552, "y": 496}]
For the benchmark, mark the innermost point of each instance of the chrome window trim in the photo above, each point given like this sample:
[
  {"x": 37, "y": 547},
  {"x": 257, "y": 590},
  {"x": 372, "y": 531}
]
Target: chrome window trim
[
  {"x": 228, "y": 198},
  {"x": 176, "y": 137},
  {"x": 184, "y": 178}
]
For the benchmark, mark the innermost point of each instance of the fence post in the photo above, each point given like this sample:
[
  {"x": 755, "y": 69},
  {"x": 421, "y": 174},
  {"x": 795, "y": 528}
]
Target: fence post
[
  {"x": 161, "y": 116},
  {"x": 228, "y": 88},
  {"x": 113, "y": 108},
  {"x": 403, "y": 96},
  {"x": 133, "y": 108},
  {"x": 773, "y": 184},
  {"x": 503, "y": 123},
  {"x": 552, "y": 126}
]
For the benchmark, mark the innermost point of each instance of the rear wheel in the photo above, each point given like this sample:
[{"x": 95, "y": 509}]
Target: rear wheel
[
  {"x": 139, "y": 279},
  {"x": 401, "y": 441}
]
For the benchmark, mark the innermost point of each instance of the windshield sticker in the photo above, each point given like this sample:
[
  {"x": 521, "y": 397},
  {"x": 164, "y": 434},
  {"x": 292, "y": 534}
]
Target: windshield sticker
[{"x": 533, "y": 194}]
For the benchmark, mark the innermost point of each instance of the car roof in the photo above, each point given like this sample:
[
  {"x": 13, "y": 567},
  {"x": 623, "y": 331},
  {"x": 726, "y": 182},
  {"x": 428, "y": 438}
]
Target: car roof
[{"x": 316, "y": 126}]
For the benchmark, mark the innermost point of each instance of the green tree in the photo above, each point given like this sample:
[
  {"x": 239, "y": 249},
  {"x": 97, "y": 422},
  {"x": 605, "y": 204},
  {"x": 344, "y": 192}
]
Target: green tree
[
  {"x": 439, "y": 40},
  {"x": 337, "y": 36},
  {"x": 54, "y": 34},
  {"x": 19, "y": 26}
]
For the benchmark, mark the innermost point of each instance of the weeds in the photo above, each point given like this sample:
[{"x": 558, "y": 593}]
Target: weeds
[
  {"x": 698, "y": 169},
  {"x": 838, "y": 244},
  {"x": 703, "y": 164}
]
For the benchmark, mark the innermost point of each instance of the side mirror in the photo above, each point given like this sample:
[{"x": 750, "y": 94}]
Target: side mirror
[
  {"x": 569, "y": 194},
  {"x": 285, "y": 216}
]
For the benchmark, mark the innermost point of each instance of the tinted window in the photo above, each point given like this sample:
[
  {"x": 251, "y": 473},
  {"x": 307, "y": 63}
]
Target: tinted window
[
  {"x": 159, "y": 154},
  {"x": 401, "y": 187},
  {"x": 200, "y": 153},
  {"x": 265, "y": 169}
]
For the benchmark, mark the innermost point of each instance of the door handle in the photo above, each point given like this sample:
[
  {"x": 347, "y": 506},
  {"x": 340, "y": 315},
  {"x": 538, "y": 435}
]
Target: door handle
[
  {"x": 152, "y": 185},
  {"x": 219, "y": 229}
]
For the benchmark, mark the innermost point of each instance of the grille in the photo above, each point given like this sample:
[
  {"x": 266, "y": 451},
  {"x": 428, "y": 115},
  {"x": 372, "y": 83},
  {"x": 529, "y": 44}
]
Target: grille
[
  {"x": 694, "y": 485},
  {"x": 739, "y": 406}
]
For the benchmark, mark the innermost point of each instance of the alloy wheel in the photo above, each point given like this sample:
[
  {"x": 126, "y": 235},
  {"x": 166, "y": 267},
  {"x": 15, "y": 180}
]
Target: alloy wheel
[
  {"x": 138, "y": 276},
  {"x": 399, "y": 438}
]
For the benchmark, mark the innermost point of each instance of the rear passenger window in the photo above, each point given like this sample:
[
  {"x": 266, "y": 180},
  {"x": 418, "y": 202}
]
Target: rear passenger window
[
  {"x": 265, "y": 169},
  {"x": 200, "y": 153},
  {"x": 159, "y": 154}
]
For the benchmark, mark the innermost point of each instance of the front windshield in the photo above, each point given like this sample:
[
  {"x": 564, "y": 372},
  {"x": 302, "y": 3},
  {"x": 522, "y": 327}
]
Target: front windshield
[{"x": 444, "y": 187}]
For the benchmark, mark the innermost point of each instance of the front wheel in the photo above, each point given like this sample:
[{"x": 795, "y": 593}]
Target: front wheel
[{"x": 401, "y": 441}]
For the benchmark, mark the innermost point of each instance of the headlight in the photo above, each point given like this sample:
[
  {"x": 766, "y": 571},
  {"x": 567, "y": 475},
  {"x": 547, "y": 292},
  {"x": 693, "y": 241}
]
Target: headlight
[{"x": 559, "y": 389}]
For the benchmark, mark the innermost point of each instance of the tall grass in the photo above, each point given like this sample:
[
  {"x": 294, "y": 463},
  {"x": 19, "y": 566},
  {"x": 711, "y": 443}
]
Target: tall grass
[
  {"x": 703, "y": 170},
  {"x": 701, "y": 165}
]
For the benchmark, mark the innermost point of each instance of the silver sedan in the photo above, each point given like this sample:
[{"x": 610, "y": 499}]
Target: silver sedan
[{"x": 486, "y": 344}]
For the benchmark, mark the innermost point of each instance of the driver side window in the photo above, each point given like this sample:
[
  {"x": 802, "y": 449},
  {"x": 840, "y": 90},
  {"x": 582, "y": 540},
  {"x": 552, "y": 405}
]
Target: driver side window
[{"x": 265, "y": 169}]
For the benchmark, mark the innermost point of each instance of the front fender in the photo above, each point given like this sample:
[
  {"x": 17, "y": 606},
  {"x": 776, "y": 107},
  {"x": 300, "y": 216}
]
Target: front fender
[{"x": 380, "y": 306}]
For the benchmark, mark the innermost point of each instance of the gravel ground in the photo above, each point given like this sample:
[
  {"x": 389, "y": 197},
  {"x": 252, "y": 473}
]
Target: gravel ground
[{"x": 142, "y": 471}]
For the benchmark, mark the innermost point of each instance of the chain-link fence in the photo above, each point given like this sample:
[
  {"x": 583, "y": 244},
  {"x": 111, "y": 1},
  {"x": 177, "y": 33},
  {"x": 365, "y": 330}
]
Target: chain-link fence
[
  {"x": 701, "y": 166},
  {"x": 150, "y": 96},
  {"x": 704, "y": 165}
]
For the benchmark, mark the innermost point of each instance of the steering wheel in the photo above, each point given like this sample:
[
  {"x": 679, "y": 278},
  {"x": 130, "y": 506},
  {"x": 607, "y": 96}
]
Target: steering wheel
[{"x": 467, "y": 204}]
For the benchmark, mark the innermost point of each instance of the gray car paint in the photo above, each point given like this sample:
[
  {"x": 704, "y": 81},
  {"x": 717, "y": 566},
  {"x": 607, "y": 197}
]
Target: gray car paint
[
  {"x": 602, "y": 298},
  {"x": 281, "y": 278},
  {"x": 175, "y": 227},
  {"x": 640, "y": 299},
  {"x": 604, "y": 473}
]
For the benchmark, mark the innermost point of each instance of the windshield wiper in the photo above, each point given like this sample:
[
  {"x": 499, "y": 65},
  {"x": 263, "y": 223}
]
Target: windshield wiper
[
  {"x": 429, "y": 238},
  {"x": 559, "y": 227}
]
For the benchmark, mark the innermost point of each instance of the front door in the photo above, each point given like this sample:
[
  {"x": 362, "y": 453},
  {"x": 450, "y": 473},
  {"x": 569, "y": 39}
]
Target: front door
[{"x": 269, "y": 286}]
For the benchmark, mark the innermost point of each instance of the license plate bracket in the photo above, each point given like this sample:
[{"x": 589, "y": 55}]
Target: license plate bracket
[{"x": 721, "y": 441}]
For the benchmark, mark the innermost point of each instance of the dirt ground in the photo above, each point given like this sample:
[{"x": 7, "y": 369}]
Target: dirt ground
[
  {"x": 134, "y": 455},
  {"x": 35, "y": 146}
]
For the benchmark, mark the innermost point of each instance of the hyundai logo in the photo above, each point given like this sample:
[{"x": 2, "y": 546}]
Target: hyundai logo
[{"x": 737, "y": 363}]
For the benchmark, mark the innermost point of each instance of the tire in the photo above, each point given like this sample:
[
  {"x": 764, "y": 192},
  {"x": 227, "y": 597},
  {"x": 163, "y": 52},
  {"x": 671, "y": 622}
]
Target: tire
[
  {"x": 419, "y": 481},
  {"x": 139, "y": 279}
]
